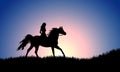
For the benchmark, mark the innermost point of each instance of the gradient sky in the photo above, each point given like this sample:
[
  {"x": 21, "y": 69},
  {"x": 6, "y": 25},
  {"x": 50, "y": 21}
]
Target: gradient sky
[{"x": 92, "y": 26}]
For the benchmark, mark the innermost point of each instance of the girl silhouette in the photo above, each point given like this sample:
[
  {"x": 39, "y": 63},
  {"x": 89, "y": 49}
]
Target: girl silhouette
[{"x": 43, "y": 30}]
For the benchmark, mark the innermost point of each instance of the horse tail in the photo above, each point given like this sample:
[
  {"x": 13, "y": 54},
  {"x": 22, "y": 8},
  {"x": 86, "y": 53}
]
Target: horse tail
[{"x": 25, "y": 41}]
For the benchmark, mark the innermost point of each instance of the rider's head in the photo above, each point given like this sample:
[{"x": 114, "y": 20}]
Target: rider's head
[{"x": 44, "y": 24}]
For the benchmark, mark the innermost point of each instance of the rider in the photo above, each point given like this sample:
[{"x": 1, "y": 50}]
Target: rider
[{"x": 43, "y": 30}]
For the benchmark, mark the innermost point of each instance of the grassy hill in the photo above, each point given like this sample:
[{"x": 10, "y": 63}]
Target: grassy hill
[{"x": 112, "y": 57}]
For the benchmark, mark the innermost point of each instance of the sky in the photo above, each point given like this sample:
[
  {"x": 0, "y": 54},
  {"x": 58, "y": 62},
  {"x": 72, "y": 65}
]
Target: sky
[{"x": 92, "y": 26}]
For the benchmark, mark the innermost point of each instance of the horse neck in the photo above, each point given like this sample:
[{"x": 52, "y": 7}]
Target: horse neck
[{"x": 54, "y": 36}]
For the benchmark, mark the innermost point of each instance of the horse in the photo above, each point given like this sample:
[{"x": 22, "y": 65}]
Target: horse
[{"x": 35, "y": 41}]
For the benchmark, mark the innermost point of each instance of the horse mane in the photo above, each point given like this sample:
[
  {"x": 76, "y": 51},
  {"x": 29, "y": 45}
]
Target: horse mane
[{"x": 53, "y": 31}]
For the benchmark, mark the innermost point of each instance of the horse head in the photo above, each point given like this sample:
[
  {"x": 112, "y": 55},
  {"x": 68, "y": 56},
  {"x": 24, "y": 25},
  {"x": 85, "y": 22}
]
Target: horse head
[{"x": 61, "y": 31}]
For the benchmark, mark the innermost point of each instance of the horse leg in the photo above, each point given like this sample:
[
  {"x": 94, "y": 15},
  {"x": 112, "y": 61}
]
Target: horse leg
[
  {"x": 36, "y": 50},
  {"x": 29, "y": 50},
  {"x": 60, "y": 50},
  {"x": 53, "y": 51}
]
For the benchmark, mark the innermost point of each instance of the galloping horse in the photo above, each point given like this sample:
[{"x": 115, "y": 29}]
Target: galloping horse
[{"x": 36, "y": 41}]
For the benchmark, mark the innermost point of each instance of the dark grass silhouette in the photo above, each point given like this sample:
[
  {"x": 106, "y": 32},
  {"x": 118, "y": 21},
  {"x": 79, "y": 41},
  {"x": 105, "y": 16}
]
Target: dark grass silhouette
[{"x": 112, "y": 57}]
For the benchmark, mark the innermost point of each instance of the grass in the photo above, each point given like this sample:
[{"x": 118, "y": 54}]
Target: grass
[{"x": 112, "y": 57}]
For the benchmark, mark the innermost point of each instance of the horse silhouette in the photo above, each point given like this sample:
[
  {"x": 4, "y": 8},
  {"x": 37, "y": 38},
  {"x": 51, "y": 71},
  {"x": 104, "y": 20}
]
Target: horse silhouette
[{"x": 36, "y": 41}]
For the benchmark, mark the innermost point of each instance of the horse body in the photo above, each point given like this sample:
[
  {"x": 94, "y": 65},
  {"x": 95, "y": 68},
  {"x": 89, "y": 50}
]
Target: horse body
[{"x": 36, "y": 41}]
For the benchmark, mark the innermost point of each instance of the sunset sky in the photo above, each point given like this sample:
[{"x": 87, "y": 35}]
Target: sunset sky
[{"x": 92, "y": 26}]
